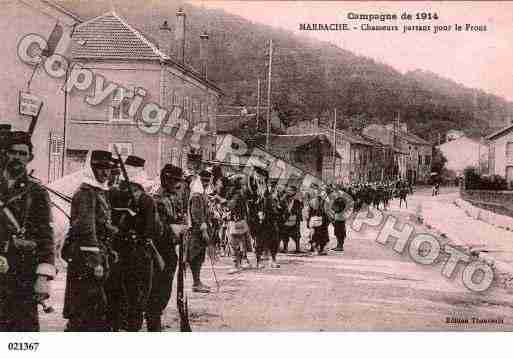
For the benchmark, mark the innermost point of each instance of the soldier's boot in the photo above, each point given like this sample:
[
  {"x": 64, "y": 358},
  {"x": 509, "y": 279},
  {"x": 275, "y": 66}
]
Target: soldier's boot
[
  {"x": 154, "y": 323},
  {"x": 236, "y": 262},
  {"x": 298, "y": 246},
  {"x": 274, "y": 264}
]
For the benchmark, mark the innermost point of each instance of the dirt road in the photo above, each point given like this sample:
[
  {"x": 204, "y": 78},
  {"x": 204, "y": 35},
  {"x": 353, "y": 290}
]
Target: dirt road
[{"x": 368, "y": 287}]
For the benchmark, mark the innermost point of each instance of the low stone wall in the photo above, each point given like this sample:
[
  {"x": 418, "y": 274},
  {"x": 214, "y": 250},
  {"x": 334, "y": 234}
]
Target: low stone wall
[
  {"x": 490, "y": 217},
  {"x": 498, "y": 202}
]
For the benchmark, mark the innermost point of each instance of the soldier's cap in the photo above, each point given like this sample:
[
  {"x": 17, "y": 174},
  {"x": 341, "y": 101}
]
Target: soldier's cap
[
  {"x": 292, "y": 188},
  {"x": 5, "y": 127},
  {"x": 217, "y": 171},
  {"x": 102, "y": 159},
  {"x": 135, "y": 161},
  {"x": 195, "y": 157},
  {"x": 172, "y": 172},
  {"x": 205, "y": 174},
  {"x": 260, "y": 171},
  {"x": 20, "y": 138}
]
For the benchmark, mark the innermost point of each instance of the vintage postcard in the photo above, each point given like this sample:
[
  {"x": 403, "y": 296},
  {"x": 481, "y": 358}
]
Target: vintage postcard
[{"x": 235, "y": 166}]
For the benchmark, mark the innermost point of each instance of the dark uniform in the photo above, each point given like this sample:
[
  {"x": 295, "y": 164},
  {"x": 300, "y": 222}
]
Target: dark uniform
[
  {"x": 137, "y": 258},
  {"x": 200, "y": 232},
  {"x": 172, "y": 211},
  {"x": 289, "y": 226},
  {"x": 320, "y": 236},
  {"x": 26, "y": 260},
  {"x": 87, "y": 250}
]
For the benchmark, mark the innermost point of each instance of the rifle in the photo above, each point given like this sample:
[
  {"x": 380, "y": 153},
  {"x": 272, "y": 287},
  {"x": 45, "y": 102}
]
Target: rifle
[
  {"x": 156, "y": 255},
  {"x": 181, "y": 302}
]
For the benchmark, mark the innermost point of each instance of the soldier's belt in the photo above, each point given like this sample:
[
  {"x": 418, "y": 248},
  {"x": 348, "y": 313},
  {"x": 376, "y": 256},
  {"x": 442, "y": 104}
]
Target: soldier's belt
[{"x": 90, "y": 249}]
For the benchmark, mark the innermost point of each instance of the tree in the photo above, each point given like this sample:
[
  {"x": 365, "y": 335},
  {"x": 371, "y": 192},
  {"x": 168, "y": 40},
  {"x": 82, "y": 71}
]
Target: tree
[{"x": 438, "y": 162}]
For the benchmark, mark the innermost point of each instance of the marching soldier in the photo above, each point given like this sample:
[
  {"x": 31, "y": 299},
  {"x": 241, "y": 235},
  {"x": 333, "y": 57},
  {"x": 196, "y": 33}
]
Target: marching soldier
[
  {"x": 291, "y": 219},
  {"x": 318, "y": 221},
  {"x": 139, "y": 257},
  {"x": 86, "y": 248},
  {"x": 200, "y": 223},
  {"x": 172, "y": 213},
  {"x": 266, "y": 228},
  {"x": 26, "y": 240}
]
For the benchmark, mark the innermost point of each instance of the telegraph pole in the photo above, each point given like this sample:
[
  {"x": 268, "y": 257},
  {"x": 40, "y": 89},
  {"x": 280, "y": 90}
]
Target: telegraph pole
[
  {"x": 258, "y": 105},
  {"x": 269, "y": 95},
  {"x": 334, "y": 145}
]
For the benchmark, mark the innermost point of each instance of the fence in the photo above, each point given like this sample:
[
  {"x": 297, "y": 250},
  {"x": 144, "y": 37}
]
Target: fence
[{"x": 500, "y": 202}]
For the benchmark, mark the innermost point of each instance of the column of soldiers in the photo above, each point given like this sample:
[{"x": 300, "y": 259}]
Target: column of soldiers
[{"x": 121, "y": 246}]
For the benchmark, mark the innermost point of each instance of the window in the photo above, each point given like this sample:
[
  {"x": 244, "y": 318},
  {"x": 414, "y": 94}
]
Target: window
[
  {"x": 427, "y": 160},
  {"x": 125, "y": 149},
  {"x": 509, "y": 151},
  {"x": 176, "y": 159},
  {"x": 121, "y": 104}
]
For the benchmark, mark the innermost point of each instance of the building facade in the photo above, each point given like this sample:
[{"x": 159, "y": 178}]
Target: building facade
[
  {"x": 464, "y": 152},
  {"x": 52, "y": 22},
  {"x": 113, "y": 49},
  {"x": 413, "y": 154},
  {"x": 501, "y": 154}
]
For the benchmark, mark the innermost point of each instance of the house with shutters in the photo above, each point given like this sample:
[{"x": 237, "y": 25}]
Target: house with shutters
[
  {"x": 501, "y": 154},
  {"x": 112, "y": 48},
  {"x": 414, "y": 154},
  {"x": 53, "y": 23}
]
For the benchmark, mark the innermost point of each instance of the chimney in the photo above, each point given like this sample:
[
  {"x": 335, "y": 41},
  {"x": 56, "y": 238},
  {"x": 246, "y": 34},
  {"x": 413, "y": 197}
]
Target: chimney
[
  {"x": 165, "y": 38},
  {"x": 180, "y": 35},
  {"x": 203, "y": 54}
]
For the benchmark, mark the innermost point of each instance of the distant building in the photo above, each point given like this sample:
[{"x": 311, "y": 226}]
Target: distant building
[
  {"x": 54, "y": 23},
  {"x": 110, "y": 46},
  {"x": 501, "y": 153},
  {"x": 452, "y": 135},
  {"x": 358, "y": 158},
  {"x": 464, "y": 152},
  {"x": 416, "y": 152}
]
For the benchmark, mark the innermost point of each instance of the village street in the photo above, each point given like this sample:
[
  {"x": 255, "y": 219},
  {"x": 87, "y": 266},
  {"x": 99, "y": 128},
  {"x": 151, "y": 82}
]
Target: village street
[{"x": 368, "y": 287}]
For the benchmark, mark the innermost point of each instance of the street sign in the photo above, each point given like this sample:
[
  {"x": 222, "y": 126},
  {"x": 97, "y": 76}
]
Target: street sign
[{"x": 29, "y": 104}]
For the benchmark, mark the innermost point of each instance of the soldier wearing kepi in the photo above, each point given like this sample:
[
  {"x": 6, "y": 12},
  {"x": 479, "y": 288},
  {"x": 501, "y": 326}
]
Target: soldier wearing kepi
[
  {"x": 138, "y": 232},
  {"x": 291, "y": 219},
  {"x": 86, "y": 248},
  {"x": 172, "y": 213},
  {"x": 26, "y": 240},
  {"x": 200, "y": 235}
]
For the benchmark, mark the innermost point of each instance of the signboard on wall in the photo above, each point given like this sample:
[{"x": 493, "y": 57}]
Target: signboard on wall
[{"x": 29, "y": 104}]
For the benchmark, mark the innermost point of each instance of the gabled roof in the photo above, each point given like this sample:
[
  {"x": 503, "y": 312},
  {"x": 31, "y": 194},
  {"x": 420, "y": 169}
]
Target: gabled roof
[
  {"x": 294, "y": 142},
  {"x": 230, "y": 123},
  {"x": 411, "y": 137},
  {"x": 500, "y": 132},
  {"x": 110, "y": 37}
]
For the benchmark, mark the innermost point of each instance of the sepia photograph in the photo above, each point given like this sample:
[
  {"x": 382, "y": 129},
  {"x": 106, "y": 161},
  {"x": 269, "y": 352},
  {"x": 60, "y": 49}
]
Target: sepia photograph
[{"x": 255, "y": 166}]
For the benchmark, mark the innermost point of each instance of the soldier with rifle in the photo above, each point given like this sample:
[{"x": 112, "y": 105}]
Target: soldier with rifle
[
  {"x": 172, "y": 212},
  {"x": 87, "y": 248},
  {"x": 139, "y": 227},
  {"x": 26, "y": 240}
]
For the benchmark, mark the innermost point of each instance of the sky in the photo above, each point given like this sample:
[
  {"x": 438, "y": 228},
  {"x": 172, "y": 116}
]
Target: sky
[{"x": 475, "y": 59}]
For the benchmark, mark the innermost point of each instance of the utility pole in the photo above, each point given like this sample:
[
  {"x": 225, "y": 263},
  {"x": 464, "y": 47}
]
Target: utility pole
[
  {"x": 258, "y": 105},
  {"x": 267, "y": 144},
  {"x": 334, "y": 145}
]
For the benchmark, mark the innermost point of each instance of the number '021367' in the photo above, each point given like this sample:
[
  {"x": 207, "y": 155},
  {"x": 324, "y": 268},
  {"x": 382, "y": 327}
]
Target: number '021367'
[{"x": 23, "y": 346}]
